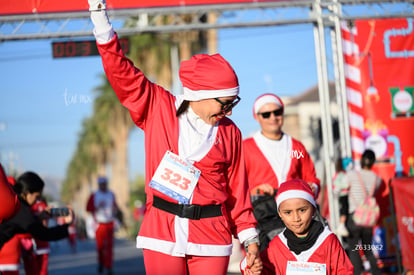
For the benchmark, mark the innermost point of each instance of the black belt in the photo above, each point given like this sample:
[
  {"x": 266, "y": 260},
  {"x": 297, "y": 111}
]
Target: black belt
[{"x": 189, "y": 211}]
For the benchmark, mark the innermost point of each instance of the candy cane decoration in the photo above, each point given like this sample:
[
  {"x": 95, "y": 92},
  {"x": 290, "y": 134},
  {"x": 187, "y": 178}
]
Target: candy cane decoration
[{"x": 352, "y": 60}]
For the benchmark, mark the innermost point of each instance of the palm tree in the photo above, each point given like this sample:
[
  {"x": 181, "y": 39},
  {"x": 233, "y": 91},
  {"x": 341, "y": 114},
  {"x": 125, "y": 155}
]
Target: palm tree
[{"x": 87, "y": 162}]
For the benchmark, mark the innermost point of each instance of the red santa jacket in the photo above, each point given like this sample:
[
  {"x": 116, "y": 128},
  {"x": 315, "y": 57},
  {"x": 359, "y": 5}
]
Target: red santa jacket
[
  {"x": 222, "y": 181},
  {"x": 259, "y": 171},
  {"x": 326, "y": 250},
  {"x": 103, "y": 206},
  {"x": 10, "y": 204}
]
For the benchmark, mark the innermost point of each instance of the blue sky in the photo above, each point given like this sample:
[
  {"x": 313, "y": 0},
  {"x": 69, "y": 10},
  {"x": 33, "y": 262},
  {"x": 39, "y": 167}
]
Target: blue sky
[{"x": 44, "y": 100}]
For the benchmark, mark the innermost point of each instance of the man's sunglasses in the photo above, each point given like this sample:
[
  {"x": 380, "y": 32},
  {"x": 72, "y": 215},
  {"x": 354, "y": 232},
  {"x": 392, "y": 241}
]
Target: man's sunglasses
[
  {"x": 277, "y": 112},
  {"x": 228, "y": 106}
]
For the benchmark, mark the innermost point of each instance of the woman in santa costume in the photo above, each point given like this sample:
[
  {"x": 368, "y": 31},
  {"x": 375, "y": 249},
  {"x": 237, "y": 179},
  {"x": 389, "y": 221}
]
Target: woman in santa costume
[
  {"x": 197, "y": 192},
  {"x": 9, "y": 202},
  {"x": 272, "y": 157},
  {"x": 306, "y": 245}
]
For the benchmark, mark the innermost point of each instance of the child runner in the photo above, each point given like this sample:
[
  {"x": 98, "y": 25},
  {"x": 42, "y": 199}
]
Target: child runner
[{"x": 306, "y": 246}]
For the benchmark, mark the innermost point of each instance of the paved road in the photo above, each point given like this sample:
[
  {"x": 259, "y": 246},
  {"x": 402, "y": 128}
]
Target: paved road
[{"x": 128, "y": 260}]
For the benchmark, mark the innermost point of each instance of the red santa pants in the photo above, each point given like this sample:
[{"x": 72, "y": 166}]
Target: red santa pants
[
  {"x": 36, "y": 264},
  {"x": 105, "y": 243},
  {"x": 157, "y": 263},
  {"x": 43, "y": 262}
]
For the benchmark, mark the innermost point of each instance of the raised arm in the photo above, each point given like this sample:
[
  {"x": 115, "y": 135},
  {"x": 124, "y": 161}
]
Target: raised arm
[{"x": 133, "y": 89}]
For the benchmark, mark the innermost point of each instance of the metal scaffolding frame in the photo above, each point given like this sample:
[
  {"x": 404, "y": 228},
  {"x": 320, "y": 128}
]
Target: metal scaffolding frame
[
  {"x": 185, "y": 18},
  {"x": 323, "y": 14}
]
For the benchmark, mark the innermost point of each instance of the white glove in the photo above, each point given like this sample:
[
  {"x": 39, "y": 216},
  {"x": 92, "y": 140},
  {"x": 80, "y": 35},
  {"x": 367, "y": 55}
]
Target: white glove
[
  {"x": 103, "y": 30},
  {"x": 96, "y": 5}
]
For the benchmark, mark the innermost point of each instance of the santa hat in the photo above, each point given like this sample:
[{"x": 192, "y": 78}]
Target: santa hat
[
  {"x": 265, "y": 99},
  {"x": 294, "y": 189},
  {"x": 208, "y": 76}
]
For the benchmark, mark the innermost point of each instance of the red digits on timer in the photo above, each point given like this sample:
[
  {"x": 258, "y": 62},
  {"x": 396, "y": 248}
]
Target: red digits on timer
[
  {"x": 175, "y": 179},
  {"x": 85, "y": 48}
]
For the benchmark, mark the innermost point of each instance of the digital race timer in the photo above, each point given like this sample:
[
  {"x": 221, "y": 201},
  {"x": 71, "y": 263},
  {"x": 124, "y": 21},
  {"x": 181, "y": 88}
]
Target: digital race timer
[{"x": 81, "y": 48}]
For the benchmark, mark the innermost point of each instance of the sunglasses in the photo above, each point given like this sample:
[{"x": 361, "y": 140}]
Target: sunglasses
[
  {"x": 228, "y": 106},
  {"x": 277, "y": 112}
]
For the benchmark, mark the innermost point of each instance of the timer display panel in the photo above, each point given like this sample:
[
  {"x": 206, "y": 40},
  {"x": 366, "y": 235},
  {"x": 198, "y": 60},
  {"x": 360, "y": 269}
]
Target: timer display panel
[{"x": 79, "y": 48}]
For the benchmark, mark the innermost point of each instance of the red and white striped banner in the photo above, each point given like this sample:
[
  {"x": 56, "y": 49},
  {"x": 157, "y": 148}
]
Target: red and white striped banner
[{"x": 379, "y": 72}]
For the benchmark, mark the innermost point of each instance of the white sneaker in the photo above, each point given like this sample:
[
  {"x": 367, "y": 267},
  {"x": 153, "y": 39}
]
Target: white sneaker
[{"x": 342, "y": 231}]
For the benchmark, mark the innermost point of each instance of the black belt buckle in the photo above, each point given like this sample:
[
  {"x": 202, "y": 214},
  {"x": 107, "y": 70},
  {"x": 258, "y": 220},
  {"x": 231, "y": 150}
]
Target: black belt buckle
[{"x": 191, "y": 211}]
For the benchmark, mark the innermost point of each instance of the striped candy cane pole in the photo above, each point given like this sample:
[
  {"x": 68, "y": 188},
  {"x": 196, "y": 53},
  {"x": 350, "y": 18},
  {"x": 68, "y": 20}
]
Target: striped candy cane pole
[{"x": 352, "y": 70}]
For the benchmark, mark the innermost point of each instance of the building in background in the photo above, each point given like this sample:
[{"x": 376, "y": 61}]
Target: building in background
[{"x": 303, "y": 122}]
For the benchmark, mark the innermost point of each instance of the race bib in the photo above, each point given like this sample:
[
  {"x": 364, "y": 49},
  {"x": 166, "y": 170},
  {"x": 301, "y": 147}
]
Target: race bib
[
  {"x": 303, "y": 268},
  {"x": 175, "y": 177}
]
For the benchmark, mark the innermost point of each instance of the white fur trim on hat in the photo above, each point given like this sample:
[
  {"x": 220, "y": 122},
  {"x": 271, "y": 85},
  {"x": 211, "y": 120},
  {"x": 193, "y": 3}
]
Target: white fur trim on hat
[
  {"x": 191, "y": 95},
  {"x": 265, "y": 99},
  {"x": 294, "y": 194}
]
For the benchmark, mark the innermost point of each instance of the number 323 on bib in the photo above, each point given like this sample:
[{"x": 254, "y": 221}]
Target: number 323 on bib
[{"x": 175, "y": 177}]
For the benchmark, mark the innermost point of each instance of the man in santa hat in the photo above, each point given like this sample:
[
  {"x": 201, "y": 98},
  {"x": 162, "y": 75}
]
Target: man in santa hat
[
  {"x": 272, "y": 157},
  {"x": 197, "y": 192}
]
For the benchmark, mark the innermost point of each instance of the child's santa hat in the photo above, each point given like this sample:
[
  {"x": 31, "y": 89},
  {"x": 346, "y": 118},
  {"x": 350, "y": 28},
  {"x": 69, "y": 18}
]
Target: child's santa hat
[
  {"x": 208, "y": 76},
  {"x": 265, "y": 99},
  {"x": 294, "y": 189}
]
